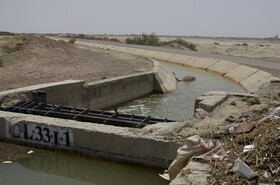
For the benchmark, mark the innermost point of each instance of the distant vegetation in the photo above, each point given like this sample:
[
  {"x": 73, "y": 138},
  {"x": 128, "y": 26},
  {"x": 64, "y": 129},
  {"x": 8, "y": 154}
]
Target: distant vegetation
[
  {"x": 11, "y": 49},
  {"x": 1, "y": 61},
  {"x": 72, "y": 41},
  {"x": 216, "y": 43},
  {"x": 153, "y": 40},
  {"x": 244, "y": 44}
]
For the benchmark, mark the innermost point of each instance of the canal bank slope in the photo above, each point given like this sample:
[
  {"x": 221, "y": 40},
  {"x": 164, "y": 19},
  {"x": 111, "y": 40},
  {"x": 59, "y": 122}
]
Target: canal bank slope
[
  {"x": 217, "y": 112},
  {"x": 251, "y": 79}
]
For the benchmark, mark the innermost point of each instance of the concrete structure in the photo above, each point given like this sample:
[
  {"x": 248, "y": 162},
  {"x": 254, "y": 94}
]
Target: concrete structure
[
  {"x": 101, "y": 94},
  {"x": 131, "y": 145},
  {"x": 135, "y": 146},
  {"x": 210, "y": 100},
  {"x": 113, "y": 91},
  {"x": 249, "y": 78}
]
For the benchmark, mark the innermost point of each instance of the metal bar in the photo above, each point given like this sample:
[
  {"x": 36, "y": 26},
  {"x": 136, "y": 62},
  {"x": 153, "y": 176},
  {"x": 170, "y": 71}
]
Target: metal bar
[
  {"x": 81, "y": 114},
  {"x": 84, "y": 112},
  {"x": 58, "y": 108},
  {"x": 146, "y": 120},
  {"x": 114, "y": 116}
]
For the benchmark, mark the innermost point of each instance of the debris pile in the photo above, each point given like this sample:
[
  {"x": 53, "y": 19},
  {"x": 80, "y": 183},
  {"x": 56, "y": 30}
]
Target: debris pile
[{"x": 252, "y": 156}]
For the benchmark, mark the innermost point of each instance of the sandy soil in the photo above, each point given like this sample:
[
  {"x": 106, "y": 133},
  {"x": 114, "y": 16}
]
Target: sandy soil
[{"x": 44, "y": 60}]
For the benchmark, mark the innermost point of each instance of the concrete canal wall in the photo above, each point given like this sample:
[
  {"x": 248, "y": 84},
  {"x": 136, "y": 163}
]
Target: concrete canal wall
[
  {"x": 131, "y": 145},
  {"x": 121, "y": 144},
  {"x": 98, "y": 95},
  {"x": 249, "y": 78}
]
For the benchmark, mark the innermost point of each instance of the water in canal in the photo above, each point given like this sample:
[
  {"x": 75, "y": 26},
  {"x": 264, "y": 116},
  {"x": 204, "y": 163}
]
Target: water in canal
[
  {"x": 59, "y": 168},
  {"x": 54, "y": 168},
  {"x": 179, "y": 105}
]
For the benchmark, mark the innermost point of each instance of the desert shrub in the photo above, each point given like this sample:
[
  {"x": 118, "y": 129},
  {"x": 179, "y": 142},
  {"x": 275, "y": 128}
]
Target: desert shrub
[
  {"x": 153, "y": 40},
  {"x": 72, "y": 41},
  {"x": 11, "y": 49},
  {"x": 244, "y": 44},
  {"x": 145, "y": 39},
  {"x": 216, "y": 43},
  {"x": 1, "y": 61},
  {"x": 181, "y": 42}
]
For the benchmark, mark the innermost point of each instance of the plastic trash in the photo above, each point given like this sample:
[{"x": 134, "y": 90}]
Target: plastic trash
[
  {"x": 30, "y": 152},
  {"x": 273, "y": 115},
  {"x": 7, "y": 162},
  {"x": 243, "y": 169},
  {"x": 248, "y": 148}
]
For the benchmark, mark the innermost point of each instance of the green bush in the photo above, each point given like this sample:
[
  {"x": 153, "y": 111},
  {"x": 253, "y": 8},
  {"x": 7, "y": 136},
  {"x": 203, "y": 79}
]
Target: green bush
[
  {"x": 181, "y": 42},
  {"x": 153, "y": 40},
  {"x": 72, "y": 41},
  {"x": 216, "y": 43},
  {"x": 244, "y": 44},
  {"x": 8, "y": 49},
  {"x": 150, "y": 40},
  {"x": 1, "y": 61}
]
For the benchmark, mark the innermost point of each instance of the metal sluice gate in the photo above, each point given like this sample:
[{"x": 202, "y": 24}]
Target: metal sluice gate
[{"x": 38, "y": 106}]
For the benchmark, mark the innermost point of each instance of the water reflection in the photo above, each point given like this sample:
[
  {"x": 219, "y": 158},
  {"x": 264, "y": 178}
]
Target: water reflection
[{"x": 58, "y": 168}]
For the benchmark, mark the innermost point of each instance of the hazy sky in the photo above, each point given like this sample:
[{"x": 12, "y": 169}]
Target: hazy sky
[{"x": 245, "y": 18}]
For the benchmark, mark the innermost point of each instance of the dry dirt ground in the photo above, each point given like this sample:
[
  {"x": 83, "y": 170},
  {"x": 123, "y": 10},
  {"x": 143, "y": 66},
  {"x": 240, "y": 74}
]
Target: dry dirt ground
[{"x": 44, "y": 60}]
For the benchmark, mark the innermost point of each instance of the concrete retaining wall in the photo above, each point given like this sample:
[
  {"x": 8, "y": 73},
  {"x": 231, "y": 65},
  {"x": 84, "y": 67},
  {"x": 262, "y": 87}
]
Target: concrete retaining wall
[
  {"x": 98, "y": 95},
  {"x": 69, "y": 92},
  {"x": 108, "y": 142},
  {"x": 105, "y": 93},
  {"x": 249, "y": 78}
]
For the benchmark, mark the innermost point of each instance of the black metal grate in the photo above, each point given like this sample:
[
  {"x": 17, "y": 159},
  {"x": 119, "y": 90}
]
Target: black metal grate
[{"x": 38, "y": 106}]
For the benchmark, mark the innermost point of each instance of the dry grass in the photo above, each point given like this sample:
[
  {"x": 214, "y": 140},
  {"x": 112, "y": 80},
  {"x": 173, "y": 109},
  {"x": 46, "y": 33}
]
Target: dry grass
[{"x": 265, "y": 158}]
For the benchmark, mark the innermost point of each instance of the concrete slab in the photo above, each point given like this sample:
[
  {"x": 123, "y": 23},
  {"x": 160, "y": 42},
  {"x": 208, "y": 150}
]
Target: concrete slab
[
  {"x": 108, "y": 47},
  {"x": 180, "y": 59},
  {"x": 121, "y": 49},
  {"x": 120, "y": 144},
  {"x": 209, "y": 101},
  {"x": 222, "y": 67},
  {"x": 202, "y": 63},
  {"x": 114, "y": 48},
  {"x": 257, "y": 81},
  {"x": 102, "y": 46},
  {"x": 134, "y": 51},
  {"x": 164, "y": 56},
  {"x": 193, "y": 173},
  {"x": 151, "y": 54},
  {"x": 98, "y": 45},
  {"x": 140, "y": 52},
  {"x": 240, "y": 73},
  {"x": 165, "y": 81}
]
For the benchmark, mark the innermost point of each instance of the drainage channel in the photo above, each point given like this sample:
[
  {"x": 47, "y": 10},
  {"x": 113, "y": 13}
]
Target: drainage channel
[
  {"x": 179, "y": 105},
  {"x": 38, "y": 106},
  {"x": 71, "y": 169}
]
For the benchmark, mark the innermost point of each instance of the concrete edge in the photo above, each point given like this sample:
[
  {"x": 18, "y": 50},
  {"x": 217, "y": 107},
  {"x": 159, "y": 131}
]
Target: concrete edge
[
  {"x": 102, "y": 141},
  {"x": 243, "y": 75}
]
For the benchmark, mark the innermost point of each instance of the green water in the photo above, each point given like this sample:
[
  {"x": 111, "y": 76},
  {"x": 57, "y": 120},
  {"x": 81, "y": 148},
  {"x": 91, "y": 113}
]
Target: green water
[
  {"x": 179, "y": 105},
  {"x": 54, "y": 168}
]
